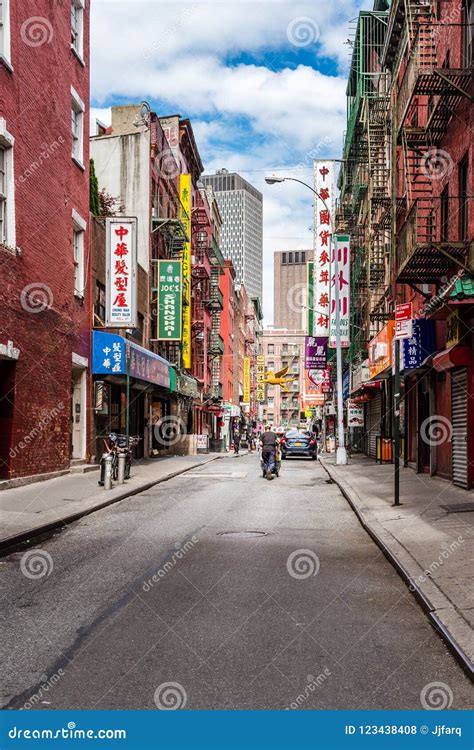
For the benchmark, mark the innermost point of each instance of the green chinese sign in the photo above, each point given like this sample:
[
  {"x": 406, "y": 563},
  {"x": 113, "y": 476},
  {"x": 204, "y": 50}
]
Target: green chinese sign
[{"x": 170, "y": 311}]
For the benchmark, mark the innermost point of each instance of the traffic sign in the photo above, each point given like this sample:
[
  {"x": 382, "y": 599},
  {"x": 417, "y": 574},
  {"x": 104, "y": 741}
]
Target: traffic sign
[{"x": 404, "y": 321}]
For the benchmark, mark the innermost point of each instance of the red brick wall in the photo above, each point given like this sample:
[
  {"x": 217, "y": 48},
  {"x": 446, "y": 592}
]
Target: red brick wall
[{"x": 35, "y": 100}]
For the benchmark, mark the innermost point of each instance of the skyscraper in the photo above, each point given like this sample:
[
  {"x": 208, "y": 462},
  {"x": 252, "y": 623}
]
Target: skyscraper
[
  {"x": 241, "y": 234},
  {"x": 290, "y": 289}
]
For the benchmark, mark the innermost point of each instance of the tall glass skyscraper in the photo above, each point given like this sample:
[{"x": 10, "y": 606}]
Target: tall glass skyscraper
[{"x": 241, "y": 234}]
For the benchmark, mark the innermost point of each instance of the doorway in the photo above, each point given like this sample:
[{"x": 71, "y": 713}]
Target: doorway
[
  {"x": 78, "y": 413},
  {"x": 7, "y": 396}
]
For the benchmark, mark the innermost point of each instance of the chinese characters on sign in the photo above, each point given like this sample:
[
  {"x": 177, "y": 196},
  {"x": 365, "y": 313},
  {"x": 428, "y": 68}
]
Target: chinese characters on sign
[
  {"x": 169, "y": 300},
  {"x": 121, "y": 249},
  {"x": 260, "y": 393},
  {"x": 355, "y": 414},
  {"x": 403, "y": 321},
  {"x": 344, "y": 287},
  {"x": 108, "y": 354},
  {"x": 315, "y": 353},
  {"x": 185, "y": 211},
  {"x": 321, "y": 378},
  {"x": 310, "y": 297},
  {"x": 247, "y": 380},
  {"x": 324, "y": 184}
]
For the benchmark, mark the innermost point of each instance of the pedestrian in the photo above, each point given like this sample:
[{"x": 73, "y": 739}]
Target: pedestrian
[
  {"x": 236, "y": 438},
  {"x": 269, "y": 442}
]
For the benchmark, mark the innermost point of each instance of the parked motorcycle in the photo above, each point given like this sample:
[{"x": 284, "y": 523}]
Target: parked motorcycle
[{"x": 116, "y": 444}]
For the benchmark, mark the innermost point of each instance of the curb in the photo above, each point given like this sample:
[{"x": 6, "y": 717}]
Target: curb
[
  {"x": 25, "y": 538},
  {"x": 423, "y": 600}
]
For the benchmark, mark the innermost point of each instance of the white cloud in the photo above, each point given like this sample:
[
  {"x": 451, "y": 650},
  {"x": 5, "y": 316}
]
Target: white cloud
[{"x": 223, "y": 64}]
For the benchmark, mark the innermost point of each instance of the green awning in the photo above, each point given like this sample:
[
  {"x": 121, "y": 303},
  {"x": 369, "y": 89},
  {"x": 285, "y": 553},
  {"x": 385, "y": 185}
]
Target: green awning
[
  {"x": 463, "y": 288},
  {"x": 172, "y": 380}
]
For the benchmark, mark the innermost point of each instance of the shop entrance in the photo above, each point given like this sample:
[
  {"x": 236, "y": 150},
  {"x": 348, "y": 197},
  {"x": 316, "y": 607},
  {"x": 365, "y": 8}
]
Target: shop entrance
[{"x": 7, "y": 394}]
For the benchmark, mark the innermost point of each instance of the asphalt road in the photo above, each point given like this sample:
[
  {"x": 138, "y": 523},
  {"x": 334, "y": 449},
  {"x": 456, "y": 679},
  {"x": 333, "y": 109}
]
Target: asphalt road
[{"x": 155, "y": 590}]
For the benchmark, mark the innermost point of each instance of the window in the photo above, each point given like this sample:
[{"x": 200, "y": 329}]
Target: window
[
  {"x": 283, "y": 259},
  {"x": 271, "y": 365},
  {"x": 463, "y": 198},
  {"x": 77, "y": 27},
  {"x": 5, "y": 53},
  {"x": 271, "y": 349},
  {"x": 468, "y": 33},
  {"x": 3, "y": 194},
  {"x": 7, "y": 194},
  {"x": 297, "y": 257},
  {"x": 77, "y": 127},
  {"x": 78, "y": 233},
  {"x": 99, "y": 307}
]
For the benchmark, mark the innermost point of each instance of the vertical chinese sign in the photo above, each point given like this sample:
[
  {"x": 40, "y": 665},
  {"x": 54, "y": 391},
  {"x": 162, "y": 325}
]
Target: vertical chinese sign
[
  {"x": 343, "y": 282},
  {"x": 185, "y": 197},
  {"x": 121, "y": 273},
  {"x": 324, "y": 207},
  {"x": 246, "y": 380},
  {"x": 310, "y": 297},
  {"x": 169, "y": 300},
  {"x": 260, "y": 394}
]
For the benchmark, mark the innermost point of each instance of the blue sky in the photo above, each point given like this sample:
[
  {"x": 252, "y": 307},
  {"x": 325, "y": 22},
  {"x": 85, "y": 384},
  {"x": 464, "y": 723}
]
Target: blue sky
[{"x": 263, "y": 83}]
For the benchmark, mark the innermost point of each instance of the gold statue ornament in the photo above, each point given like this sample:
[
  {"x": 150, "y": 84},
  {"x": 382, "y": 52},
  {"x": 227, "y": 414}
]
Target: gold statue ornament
[{"x": 280, "y": 378}]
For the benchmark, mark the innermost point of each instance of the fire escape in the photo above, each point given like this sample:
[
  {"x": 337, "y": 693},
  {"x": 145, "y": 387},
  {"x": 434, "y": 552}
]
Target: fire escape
[
  {"x": 429, "y": 242},
  {"x": 200, "y": 286}
]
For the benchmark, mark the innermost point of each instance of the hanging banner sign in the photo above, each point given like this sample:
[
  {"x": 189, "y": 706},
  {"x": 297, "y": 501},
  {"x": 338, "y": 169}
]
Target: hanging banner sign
[
  {"x": 247, "y": 380},
  {"x": 169, "y": 300},
  {"x": 185, "y": 215},
  {"x": 355, "y": 414},
  {"x": 315, "y": 352},
  {"x": 121, "y": 273},
  {"x": 321, "y": 378},
  {"x": 310, "y": 297},
  {"x": 403, "y": 321},
  {"x": 260, "y": 393},
  {"x": 344, "y": 286},
  {"x": 324, "y": 212}
]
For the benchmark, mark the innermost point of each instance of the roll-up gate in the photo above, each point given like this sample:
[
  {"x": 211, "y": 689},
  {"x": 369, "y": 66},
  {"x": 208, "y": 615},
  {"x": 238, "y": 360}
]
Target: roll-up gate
[
  {"x": 373, "y": 423},
  {"x": 459, "y": 425}
]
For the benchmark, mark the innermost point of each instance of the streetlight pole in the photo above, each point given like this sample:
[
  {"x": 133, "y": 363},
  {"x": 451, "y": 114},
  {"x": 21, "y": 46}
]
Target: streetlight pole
[{"x": 341, "y": 453}]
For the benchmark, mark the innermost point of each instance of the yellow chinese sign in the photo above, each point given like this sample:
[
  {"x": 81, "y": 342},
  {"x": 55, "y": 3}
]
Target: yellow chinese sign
[
  {"x": 452, "y": 329},
  {"x": 247, "y": 380},
  {"x": 185, "y": 211},
  {"x": 260, "y": 392}
]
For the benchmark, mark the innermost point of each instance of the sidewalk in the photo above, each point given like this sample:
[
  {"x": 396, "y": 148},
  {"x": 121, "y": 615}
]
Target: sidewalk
[
  {"x": 33, "y": 509},
  {"x": 430, "y": 547}
]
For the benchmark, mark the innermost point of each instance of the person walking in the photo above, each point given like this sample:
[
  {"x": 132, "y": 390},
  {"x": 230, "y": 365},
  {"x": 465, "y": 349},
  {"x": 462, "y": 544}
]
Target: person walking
[
  {"x": 269, "y": 442},
  {"x": 236, "y": 438}
]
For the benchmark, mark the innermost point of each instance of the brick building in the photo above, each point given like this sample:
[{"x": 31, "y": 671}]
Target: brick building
[
  {"x": 284, "y": 348},
  {"x": 44, "y": 236},
  {"x": 406, "y": 199}
]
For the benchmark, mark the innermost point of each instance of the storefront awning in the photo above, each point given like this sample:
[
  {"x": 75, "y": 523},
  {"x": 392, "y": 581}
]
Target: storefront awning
[
  {"x": 114, "y": 355},
  {"x": 458, "y": 356}
]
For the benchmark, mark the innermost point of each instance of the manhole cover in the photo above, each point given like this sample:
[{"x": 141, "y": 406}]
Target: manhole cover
[
  {"x": 243, "y": 534},
  {"x": 459, "y": 508}
]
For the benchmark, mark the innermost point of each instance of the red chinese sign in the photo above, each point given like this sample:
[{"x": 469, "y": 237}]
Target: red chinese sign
[
  {"x": 121, "y": 273},
  {"x": 324, "y": 184}
]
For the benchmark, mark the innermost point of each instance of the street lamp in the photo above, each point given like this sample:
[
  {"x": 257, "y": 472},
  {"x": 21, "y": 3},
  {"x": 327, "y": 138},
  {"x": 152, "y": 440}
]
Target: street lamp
[{"x": 341, "y": 453}]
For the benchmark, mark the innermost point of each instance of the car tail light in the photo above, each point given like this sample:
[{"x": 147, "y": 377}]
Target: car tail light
[
  {"x": 312, "y": 442},
  {"x": 282, "y": 441}
]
